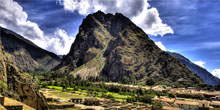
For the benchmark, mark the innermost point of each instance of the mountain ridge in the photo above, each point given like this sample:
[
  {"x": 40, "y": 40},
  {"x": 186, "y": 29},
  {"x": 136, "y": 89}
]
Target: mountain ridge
[
  {"x": 24, "y": 54},
  {"x": 207, "y": 77},
  {"x": 115, "y": 49},
  {"x": 18, "y": 85}
]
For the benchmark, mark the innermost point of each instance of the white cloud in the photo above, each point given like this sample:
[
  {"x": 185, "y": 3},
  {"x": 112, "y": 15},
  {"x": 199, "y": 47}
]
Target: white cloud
[
  {"x": 160, "y": 45},
  {"x": 62, "y": 41},
  {"x": 216, "y": 72},
  {"x": 14, "y": 18},
  {"x": 200, "y": 63},
  {"x": 139, "y": 11}
]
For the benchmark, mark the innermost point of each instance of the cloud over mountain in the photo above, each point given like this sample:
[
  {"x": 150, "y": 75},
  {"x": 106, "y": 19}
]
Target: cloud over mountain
[
  {"x": 13, "y": 17},
  {"x": 61, "y": 41},
  {"x": 200, "y": 63},
  {"x": 139, "y": 11},
  {"x": 216, "y": 72},
  {"x": 160, "y": 45}
]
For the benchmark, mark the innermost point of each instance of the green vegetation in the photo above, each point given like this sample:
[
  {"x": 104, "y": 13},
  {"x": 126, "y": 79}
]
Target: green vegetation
[
  {"x": 3, "y": 85},
  {"x": 92, "y": 92},
  {"x": 55, "y": 87},
  {"x": 93, "y": 87}
]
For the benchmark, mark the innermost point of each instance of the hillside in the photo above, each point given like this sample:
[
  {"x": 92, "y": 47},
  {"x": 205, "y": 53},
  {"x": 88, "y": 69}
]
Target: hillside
[
  {"x": 18, "y": 85},
  {"x": 25, "y": 55},
  {"x": 207, "y": 77},
  {"x": 113, "y": 48}
]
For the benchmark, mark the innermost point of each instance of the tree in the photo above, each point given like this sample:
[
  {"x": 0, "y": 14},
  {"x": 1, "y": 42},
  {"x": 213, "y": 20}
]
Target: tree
[
  {"x": 171, "y": 95},
  {"x": 146, "y": 99},
  {"x": 150, "y": 82}
]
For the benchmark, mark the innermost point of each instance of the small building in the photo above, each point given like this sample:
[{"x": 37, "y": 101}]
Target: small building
[
  {"x": 204, "y": 104},
  {"x": 217, "y": 98},
  {"x": 192, "y": 105},
  {"x": 170, "y": 108},
  {"x": 187, "y": 105},
  {"x": 92, "y": 101},
  {"x": 76, "y": 100}
]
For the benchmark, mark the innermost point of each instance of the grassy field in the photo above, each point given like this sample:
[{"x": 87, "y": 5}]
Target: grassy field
[
  {"x": 118, "y": 96},
  {"x": 83, "y": 93}
]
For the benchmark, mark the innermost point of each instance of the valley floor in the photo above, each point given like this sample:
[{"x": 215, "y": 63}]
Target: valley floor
[{"x": 63, "y": 97}]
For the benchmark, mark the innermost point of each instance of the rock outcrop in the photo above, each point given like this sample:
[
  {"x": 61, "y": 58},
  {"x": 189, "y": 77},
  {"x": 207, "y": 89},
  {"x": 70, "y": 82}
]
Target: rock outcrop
[
  {"x": 17, "y": 85},
  {"x": 206, "y": 76},
  {"x": 113, "y": 48},
  {"x": 25, "y": 55}
]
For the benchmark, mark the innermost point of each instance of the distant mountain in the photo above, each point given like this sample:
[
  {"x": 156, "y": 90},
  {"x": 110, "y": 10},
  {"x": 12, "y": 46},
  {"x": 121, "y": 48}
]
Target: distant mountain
[
  {"x": 207, "y": 77},
  {"x": 113, "y": 48},
  {"x": 24, "y": 54}
]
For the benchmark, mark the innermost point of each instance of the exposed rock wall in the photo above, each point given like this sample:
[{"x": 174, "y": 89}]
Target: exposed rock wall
[{"x": 19, "y": 86}]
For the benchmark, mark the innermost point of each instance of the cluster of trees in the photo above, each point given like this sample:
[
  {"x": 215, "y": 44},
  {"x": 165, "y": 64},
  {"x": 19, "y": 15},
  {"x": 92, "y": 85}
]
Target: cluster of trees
[
  {"x": 137, "y": 95},
  {"x": 93, "y": 89}
]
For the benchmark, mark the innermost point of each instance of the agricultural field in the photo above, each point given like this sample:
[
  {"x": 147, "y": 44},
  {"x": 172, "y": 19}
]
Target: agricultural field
[{"x": 70, "y": 92}]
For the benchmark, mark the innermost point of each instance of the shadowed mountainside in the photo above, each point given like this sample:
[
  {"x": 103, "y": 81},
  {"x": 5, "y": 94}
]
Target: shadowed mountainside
[
  {"x": 25, "y": 55},
  {"x": 17, "y": 85}
]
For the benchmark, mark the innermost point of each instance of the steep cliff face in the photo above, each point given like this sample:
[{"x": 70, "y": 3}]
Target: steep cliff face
[
  {"x": 17, "y": 85},
  {"x": 3, "y": 73},
  {"x": 207, "y": 77},
  {"x": 25, "y": 55},
  {"x": 115, "y": 49}
]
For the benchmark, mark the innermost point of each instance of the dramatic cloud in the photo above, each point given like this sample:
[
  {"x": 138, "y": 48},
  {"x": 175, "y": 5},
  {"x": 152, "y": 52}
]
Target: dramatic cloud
[
  {"x": 14, "y": 18},
  {"x": 216, "y": 72},
  {"x": 62, "y": 41},
  {"x": 200, "y": 63},
  {"x": 139, "y": 11},
  {"x": 160, "y": 45}
]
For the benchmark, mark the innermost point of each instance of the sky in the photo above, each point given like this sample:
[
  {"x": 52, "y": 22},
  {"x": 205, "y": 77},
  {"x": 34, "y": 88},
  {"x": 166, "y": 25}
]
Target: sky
[{"x": 188, "y": 27}]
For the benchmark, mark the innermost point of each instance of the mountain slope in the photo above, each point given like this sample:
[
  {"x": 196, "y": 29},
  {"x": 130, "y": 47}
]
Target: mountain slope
[
  {"x": 25, "y": 55},
  {"x": 207, "y": 77},
  {"x": 115, "y": 49},
  {"x": 18, "y": 85}
]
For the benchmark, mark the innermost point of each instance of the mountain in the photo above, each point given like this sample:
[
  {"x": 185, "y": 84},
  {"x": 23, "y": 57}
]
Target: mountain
[
  {"x": 113, "y": 48},
  {"x": 24, "y": 54},
  {"x": 207, "y": 77},
  {"x": 18, "y": 85}
]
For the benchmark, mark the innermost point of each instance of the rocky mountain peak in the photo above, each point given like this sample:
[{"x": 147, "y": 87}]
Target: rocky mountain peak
[{"x": 113, "y": 48}]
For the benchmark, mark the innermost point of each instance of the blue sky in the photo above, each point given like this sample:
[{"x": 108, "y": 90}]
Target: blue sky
[
  {"x": 196, "y": 29},
  {"x": 49, "y": 15},
  {"x": 188, "y": 27}
]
